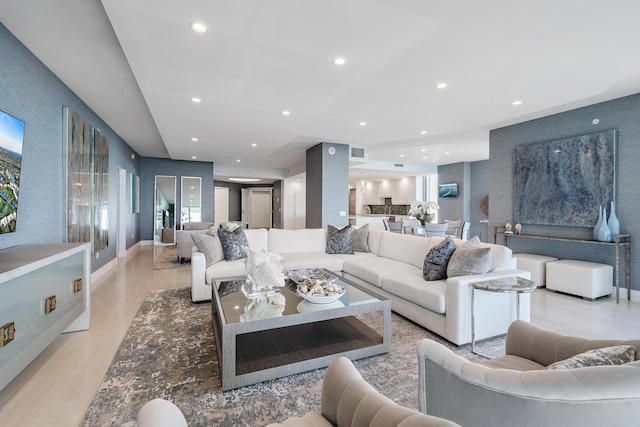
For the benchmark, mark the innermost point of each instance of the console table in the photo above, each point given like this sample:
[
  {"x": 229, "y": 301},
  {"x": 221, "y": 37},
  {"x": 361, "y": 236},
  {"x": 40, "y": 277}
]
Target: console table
[
  {"x": 621, "y": 241},
  {"x": 44, "y": 291}
]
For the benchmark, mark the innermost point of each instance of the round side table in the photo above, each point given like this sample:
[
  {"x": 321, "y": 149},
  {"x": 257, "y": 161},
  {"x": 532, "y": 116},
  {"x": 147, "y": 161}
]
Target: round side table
[{"x": 507, "y": 285}]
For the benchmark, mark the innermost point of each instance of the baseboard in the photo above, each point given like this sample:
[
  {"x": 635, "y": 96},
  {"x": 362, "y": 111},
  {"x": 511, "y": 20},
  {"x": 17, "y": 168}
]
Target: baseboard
[
  {"x": 146, "y": 242},
  {"x": 96, "y": 275}
]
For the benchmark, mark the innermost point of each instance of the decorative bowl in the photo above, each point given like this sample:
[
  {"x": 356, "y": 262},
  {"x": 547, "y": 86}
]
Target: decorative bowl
[{"x": 321, "y": 299}]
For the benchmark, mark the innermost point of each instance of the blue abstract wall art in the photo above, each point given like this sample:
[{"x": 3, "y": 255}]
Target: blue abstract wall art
[{"x": 562, "y": 182}]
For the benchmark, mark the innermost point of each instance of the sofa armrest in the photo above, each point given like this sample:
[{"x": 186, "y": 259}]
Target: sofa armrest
[
  {"x": 458, "y": 303},
  {"x": 198, "y": 281},
  {"x": 545, "y": 347}
]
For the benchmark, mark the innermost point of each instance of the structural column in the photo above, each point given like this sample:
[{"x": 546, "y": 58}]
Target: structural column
[{"x": 327, "y": 198}]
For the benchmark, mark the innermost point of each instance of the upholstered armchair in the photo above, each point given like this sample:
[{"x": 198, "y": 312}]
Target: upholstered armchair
[
  {"x": 347, "y": 400},
  {"x": 517, "y": 390}
]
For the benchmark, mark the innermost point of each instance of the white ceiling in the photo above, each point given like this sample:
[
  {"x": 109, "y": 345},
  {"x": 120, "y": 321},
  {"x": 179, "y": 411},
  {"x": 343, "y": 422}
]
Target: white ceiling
[{"x": 137, "y": 64}]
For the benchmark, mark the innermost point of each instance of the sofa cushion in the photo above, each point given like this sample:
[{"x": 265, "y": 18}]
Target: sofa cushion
[
  {"x": 515, "y": 363},
  {"x": 465, "y": 262},
  {"x": 298, "y": 260},
  {"x": 304, "y": 240},
  {"x": 210, "y": 246},
  {"x": 404, "y": 247},
  {"x": 339, "y": 240},
  {"x": 615, "y": 355},
  {"x": 437, "y": 259},
  {"x": 232, "y": 242},
  {"x": 361, "y": 238},
  {"x": 372, "y": 271},
  {"x": 411, "y": 286}
]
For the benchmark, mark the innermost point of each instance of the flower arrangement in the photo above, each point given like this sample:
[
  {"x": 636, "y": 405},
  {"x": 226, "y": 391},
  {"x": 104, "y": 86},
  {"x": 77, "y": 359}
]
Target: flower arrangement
[{"x": 423, "y": 211}]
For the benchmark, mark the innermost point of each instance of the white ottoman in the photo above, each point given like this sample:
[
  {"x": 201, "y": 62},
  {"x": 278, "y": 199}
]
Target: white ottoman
[
  {"x": 589, "y": 280},
  {"x": 536, "y": 265}
]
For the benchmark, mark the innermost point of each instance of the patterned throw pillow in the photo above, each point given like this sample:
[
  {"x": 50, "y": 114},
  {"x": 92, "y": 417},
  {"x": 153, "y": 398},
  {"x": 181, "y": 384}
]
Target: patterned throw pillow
[
  {"x": 339, "y": 240},
  {"x": 437, "y": 259},
  {"x": 210, "y": 246},
  {"x": 616, "y": 355},
  {"x": 361, "y": 238},
  {"x": 232, "y": 242},
  {"x": 465, "y": 262}
]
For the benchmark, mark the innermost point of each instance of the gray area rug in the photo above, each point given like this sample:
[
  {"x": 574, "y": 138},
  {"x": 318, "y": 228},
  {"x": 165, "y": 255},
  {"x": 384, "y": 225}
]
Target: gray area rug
[
  {"x": 169, "y": 352},
  {"x": 168, "y": 259}
]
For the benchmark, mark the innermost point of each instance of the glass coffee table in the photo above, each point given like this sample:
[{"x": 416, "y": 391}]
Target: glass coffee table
[{"x": 279, "y": 333}]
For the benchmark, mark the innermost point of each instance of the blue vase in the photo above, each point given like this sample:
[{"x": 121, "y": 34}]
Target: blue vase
[
  {"x": 614, "y": 223},
  {"x": 598, "y": 226},
  {"x": 604, "y": 234}
]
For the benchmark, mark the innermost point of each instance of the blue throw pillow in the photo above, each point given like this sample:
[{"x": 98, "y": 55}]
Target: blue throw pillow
[
  {"x": 437, "y": 259},
  {"x": 339, "y": 240},
  {"x": 232, "y": 242}
]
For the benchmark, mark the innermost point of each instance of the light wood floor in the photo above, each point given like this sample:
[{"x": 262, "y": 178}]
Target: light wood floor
[{"x": 57, "y": 388}]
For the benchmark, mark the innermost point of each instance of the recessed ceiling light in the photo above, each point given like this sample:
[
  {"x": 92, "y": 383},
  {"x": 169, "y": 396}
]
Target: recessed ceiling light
[
  {"x": 446, "y": 152},
  {"x": 238, "y": 160},
  {"x": 424, "y": 157},
  {"x": 401, "y": 155},
  {"x": 441, "y": 85},
  {"x": 286, "y": 113},
  {"x": 254, "y": 144},
  {"x": 194, "y": 157},
  {"x": 244, "y": 179},
  {"x": 363, "y": 123},
  {"x": 423, "y": 132},
  {"x": 196, "y": 100},
  {"x": 339, "y": 61},
  {"x": 198, "y": 27},
  {"x": 516, "y": 102},
  {"x": 194, "y": 139}
]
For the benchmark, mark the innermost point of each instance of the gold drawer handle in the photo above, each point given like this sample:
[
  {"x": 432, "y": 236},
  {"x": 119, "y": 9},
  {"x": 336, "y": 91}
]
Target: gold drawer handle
[
  {"x": 7, "y": 332},
  {"x": 50, "y": 304},
  {"x": 77, "y": 286}
]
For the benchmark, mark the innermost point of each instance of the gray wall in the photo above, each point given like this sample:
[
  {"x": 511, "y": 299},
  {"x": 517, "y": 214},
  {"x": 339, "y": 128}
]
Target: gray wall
[
  {"x": 455, "y": 207},
  {"x": 327, "y": 186},
  {"x": 32, "y": 93},
  {"x": 479, "y": 189},
  {"x": 621, "y": 114},
  {"x": 150, "y": 167}
]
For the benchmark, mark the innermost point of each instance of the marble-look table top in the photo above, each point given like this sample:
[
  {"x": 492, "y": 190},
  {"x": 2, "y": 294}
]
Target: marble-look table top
[{"x": 506, "y": 285}]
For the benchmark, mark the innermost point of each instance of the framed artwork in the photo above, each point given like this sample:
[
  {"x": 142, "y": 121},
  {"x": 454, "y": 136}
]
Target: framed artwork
[
  {"x": 135, "y": 193},
  {"x": 100, "y": 175},
  {"x": 11, "y": 142},
  {"x": 562, "y": 182},
  {"x": 448, "y": 190},
  {"x": 79, "y": 191}
]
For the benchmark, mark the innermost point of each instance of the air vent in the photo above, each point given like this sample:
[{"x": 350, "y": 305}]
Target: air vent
[
  {"x": 399, "y": 165},
  {"x": 357, "y": 152},
  {"x": 358, "y": 155}
]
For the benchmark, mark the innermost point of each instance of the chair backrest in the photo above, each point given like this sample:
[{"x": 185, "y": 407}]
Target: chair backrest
[
  {"x": 454, "y": 227},
  {"x": 395, "y": 227},
  {"x": 464, "y": 234},
  {"x": 434, "y": 230}
]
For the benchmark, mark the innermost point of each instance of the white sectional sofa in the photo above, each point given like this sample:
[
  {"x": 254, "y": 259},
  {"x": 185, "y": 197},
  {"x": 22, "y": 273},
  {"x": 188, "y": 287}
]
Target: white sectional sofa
[{"x": 392, "y": 268}]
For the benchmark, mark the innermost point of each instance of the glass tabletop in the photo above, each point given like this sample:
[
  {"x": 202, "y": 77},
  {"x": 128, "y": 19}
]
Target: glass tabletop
[{"x": 239, "y": 304}]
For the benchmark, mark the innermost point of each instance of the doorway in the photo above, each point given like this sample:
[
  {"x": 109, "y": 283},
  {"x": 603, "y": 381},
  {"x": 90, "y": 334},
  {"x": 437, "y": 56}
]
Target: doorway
[
  {"x": 256, "y": 207},
  {"x": 221, "y": 205}
]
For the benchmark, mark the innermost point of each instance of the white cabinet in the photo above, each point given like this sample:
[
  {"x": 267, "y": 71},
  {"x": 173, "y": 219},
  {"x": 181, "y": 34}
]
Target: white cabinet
[
  {"x": 403, "y": 191},
  {"x": 44, "y": 291},
  {"x": 371, "y": 193},
  {"x": 384, "y": 190}
]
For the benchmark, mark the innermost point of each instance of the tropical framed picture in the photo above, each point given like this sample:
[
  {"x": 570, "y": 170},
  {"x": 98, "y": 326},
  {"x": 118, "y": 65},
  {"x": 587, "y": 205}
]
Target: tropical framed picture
[{"x": 11, "y": 142}]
